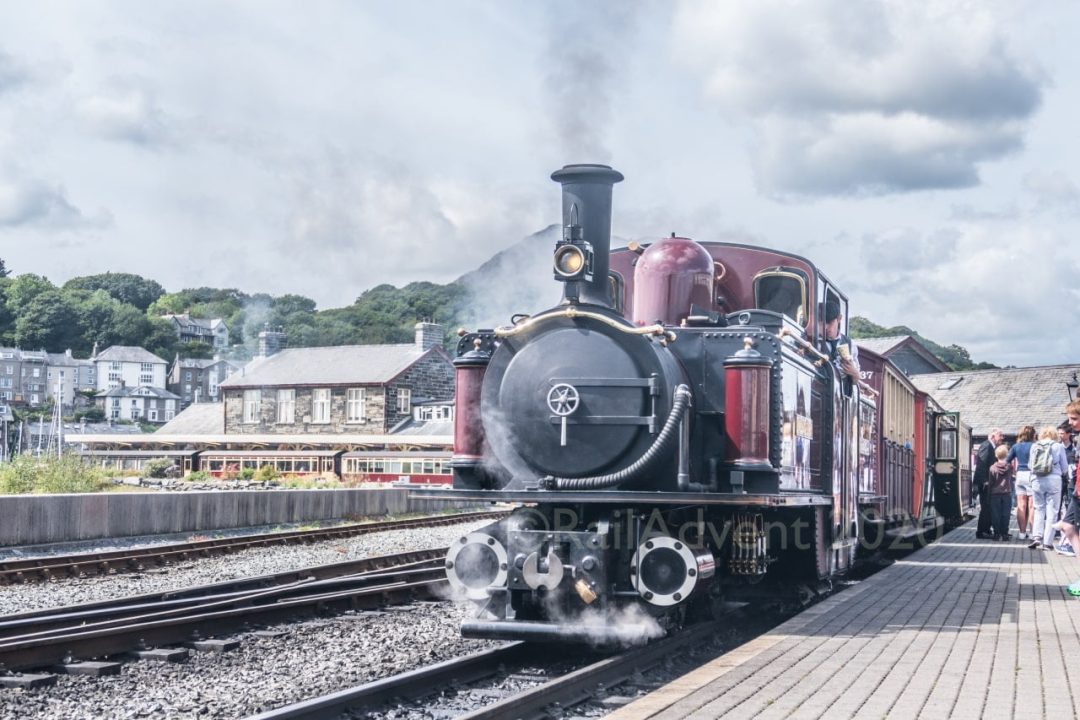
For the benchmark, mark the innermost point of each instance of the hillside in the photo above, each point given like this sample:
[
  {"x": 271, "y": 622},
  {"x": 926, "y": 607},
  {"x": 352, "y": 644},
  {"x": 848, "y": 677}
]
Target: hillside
[{"x": 125, "y": 309}]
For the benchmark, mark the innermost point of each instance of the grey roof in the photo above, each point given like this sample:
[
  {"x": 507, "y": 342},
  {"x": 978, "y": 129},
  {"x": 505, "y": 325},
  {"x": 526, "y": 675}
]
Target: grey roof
[
  {"x": 1006, "y": 398},
  {"x": 337, "y": 365},
  {"x": 427, "y": 427},
  {"x": 25, "y": 355},
  {"x": 128, "y": 353},
  {"x": 895, "y": 346},
  {"x": 197, "y": 419},
  {"x": 65, "y": 360},
  {"x": 207, "y": 323},
  {"x": 146, "y": 391},
  {"x": 881, "y": 345}
]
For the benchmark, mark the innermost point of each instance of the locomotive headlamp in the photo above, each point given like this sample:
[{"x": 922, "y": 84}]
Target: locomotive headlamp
[{"x": 573, "y": 261}]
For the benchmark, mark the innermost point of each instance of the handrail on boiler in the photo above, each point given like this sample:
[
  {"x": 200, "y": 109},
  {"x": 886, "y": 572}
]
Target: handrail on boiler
[{"x": 573, "y": 311}]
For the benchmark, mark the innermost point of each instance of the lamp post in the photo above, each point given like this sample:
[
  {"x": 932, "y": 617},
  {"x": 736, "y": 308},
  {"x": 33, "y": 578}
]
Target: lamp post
[{"x": 1071, "y": 386}]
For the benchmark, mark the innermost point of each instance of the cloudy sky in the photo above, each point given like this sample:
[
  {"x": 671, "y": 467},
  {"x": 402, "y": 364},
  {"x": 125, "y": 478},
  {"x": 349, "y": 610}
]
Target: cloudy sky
[{"x": 924, "y": 154}]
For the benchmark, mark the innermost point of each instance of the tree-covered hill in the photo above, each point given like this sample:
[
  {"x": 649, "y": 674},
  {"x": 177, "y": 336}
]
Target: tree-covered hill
[
  {"x": 125, "y": 309},
  {"x": 955, "y": 356}
]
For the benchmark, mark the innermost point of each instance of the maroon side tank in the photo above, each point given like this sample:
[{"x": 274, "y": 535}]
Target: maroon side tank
[{"x": 671, "y": 275}]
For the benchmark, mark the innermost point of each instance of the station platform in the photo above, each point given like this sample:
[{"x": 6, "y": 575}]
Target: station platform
[{"x": 963, "y": 628}]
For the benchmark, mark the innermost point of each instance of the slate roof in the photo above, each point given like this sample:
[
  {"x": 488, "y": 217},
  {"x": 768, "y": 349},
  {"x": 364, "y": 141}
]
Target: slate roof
[
  {"x": 893, "y": 344},
  {"x": 128, "y": 353},
  {"x": 1007, "y": 398},
  {"x": 141, "y": 391},
  {"x": 65, "y": 360},
  {"x": 197, "y": 419},
  {"x": 338, "y": 365},
  {"x": 881, "y": 345}
]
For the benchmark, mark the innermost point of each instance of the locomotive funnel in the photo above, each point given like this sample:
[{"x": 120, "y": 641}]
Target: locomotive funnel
[{"x": 581, "y": 257}]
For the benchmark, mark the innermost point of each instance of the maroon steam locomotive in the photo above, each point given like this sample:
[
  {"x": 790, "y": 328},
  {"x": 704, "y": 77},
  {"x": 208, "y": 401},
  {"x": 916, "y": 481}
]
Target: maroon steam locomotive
[{"x": 673, "y": 437}]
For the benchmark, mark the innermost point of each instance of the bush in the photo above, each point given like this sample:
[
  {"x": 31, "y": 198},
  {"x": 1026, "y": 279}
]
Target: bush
[
  {"x": 198, "y": 476},
  {"x": 67, "y": 474},
  {"x": 158, "y": 467},
  {"x": 267, "y": 473},
  {"x": 91, "y": 414},
  {"x": 247, "y": 473}
]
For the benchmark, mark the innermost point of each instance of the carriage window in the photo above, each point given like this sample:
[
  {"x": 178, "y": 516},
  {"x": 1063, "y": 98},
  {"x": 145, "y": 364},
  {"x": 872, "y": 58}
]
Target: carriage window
[{"x": 781, "y": 292}]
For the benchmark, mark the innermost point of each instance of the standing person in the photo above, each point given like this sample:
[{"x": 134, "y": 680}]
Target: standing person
[
  {"x": 1048, "y": 465},
  {"x": 1018, "y": 455},
  {"x": 1071, "y": 521},
  {"x": 1001, "y": 481},
  {"x": 980, "y": 481}
]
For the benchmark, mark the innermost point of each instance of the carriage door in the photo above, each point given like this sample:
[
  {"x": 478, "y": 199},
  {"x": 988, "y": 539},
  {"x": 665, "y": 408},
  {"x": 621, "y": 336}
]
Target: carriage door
[{"x": 945, "y": 464}]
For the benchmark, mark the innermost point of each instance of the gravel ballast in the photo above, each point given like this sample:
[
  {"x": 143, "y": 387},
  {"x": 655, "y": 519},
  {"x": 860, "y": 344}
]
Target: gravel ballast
[{"x": 308, "y": 659}]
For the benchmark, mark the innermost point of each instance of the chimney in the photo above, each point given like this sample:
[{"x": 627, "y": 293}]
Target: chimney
[
  {"x": 271, "y": 341},
  {"x": 586, "y": 211},
  {"x": 428, "y": 335}
]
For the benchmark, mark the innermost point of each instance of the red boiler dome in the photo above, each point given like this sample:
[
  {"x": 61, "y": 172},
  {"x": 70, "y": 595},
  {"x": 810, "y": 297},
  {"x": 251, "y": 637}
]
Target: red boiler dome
[{"x": 670, "y": 276}]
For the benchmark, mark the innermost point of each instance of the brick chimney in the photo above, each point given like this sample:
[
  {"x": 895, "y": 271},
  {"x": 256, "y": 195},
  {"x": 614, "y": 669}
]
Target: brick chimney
[{"x": 428, "y": 335}]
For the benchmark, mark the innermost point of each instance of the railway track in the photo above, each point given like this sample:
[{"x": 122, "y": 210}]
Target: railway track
[
  {"x": 70, "y": 634},
  {"x": 139, "y": 559},
  {"x": 543, "y": 697}
]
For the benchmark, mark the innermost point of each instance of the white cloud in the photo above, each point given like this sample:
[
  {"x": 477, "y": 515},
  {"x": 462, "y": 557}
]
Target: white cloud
[
  {"x": 30, "y": 202},
  {"x": 126, "y": 111},
  {"x": 863, "y": 98}
]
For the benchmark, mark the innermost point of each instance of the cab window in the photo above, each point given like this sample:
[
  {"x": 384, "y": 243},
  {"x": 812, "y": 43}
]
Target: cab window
[{"x": 783, "y": 292}]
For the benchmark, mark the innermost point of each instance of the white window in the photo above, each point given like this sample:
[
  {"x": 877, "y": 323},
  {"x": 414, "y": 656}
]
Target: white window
[
  {"x": 354, "y": 405},
  {"x": 115, "y": 365},
  {"x": 169, "y": 414},
  {"x": 152, "y": 415},
  {"x": 33, "y": 399},
  {"x": 146, "y": 367},
  {"x": 9, "y": 369},
  {"x": 187, "y": 375},
  {"x": 286, "y": 406},
  {"x": 37, "y": 372},
  {"x": 251, "y": 405},
  {"x": 404, "y": 400},
  {"x": 320, "y": 405}
]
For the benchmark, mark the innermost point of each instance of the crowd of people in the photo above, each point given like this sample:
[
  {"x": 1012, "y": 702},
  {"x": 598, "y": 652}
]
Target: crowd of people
[{"x": 1036, "y": 475}]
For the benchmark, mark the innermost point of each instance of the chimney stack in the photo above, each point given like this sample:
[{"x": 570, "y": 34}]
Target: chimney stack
[
  {"x": 586, "y": 211},
  {"x": 271, "y": 341},
  {"x": 428, "y": 335}
]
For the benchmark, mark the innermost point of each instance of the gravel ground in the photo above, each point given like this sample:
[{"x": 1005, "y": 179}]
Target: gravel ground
[
  {"x": 311, "y": 659},
  {"x": 250, "y": 562}
]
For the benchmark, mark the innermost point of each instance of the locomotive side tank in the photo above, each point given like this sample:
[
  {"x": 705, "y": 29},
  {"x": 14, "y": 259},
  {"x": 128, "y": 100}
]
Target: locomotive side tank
[{"x": 670, "y": 433}]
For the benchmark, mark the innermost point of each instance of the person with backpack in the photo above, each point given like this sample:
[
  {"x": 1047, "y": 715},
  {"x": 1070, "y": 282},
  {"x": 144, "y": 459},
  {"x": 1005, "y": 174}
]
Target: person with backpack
[
  {"x": 1071, "y": 521},
  {"x": 1048, "y": 465},
  {"x": 1019, "y": 455}
]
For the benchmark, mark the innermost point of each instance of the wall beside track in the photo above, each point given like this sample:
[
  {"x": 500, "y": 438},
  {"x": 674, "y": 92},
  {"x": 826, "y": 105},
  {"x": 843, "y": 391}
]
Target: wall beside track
[{"x": 34, "y": 519}]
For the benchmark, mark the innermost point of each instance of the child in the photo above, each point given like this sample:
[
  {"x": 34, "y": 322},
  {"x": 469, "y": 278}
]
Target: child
[{"x": 1001, "y": 486}]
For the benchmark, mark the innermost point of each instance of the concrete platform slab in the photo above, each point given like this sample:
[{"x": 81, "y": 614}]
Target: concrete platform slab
[{"x": 963, "y": 628}]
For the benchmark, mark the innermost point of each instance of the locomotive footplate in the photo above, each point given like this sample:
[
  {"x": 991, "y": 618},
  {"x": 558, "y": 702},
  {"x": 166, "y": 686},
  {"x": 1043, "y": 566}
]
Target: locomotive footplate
[{"x": 614, "y": 497}]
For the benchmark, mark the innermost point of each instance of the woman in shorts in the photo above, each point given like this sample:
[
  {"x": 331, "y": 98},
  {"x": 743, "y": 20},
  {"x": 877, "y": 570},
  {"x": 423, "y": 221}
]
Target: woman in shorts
[{"x": 1018, "y": 456}]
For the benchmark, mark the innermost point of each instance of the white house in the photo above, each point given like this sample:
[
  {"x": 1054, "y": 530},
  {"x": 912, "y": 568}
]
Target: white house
[{"x": 122, "y": 365}]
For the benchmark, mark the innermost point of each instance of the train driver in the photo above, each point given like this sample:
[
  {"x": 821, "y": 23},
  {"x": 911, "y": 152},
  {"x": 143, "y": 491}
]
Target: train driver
[{"x": 842, "y": 351}]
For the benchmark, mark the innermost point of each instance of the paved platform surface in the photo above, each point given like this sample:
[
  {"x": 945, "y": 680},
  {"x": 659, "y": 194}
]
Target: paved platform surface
[{"x": 964, "y": 628}]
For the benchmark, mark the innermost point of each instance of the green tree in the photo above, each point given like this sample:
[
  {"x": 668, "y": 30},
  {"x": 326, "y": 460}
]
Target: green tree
[
  {"x": 25, "y": 288},
  {"x": 49, "y": 321},
  {"x": 7, "y": 317},
  {"x": 196, "y": 350},
  {"x": 124, "y": 287},
  {"x": 161, "y": 338},
  {"x": 4, "y": 272}
]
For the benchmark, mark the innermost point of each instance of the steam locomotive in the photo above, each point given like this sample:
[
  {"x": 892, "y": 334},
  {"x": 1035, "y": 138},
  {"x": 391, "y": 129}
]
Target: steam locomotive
[{"x": 673, "y": 437}]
